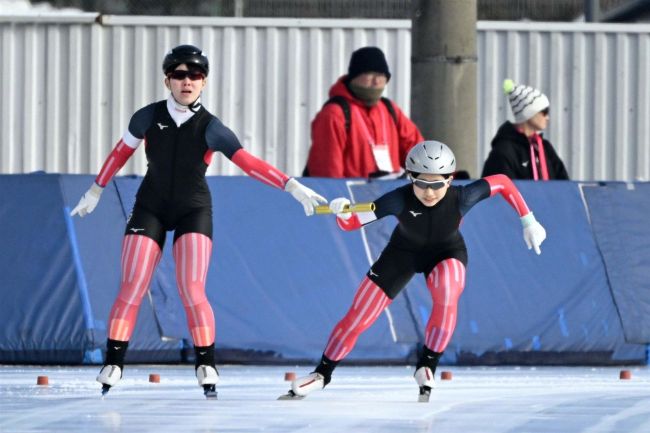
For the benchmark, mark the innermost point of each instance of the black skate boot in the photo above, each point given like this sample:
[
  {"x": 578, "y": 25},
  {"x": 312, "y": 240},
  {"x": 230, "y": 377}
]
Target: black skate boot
[
  {"x": 111, "y": 372},
  {"x": 425, "y": 373},
  {"x": 206, "y": 371},
  {"x": 318, "y": 379}
]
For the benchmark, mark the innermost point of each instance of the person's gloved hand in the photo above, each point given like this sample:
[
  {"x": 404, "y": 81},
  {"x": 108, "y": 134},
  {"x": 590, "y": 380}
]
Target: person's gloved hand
[
  {"x": 534, "y": 233},
  {"x": 337, "y": 205},
  {"x": 88, "y": 201},
  {"x": 306, "y": 196}
]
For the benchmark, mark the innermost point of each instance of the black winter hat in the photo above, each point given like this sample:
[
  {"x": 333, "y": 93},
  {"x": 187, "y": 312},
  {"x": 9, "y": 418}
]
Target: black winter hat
[{"x": 367, "y": 59}]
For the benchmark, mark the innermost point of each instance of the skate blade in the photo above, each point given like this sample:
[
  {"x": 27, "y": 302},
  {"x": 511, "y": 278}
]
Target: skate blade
[
  {"x": 291, "y": 396},
  {"x": 105, "y": 389},
  {"x": 210, "y": 392},
  {"x": 425, "y": 394}
]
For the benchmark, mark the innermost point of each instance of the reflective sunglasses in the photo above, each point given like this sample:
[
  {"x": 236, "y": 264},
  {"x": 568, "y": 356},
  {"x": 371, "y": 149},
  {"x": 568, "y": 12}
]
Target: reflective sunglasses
[
  {"x": 545, "y": 111},
  {"x": 433, "y": 184},
  {"x": 181, "y": 75}
]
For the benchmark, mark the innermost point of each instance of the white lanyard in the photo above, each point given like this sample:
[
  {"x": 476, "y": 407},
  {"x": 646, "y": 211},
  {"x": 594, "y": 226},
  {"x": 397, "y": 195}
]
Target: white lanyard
[{"x": 379, "y": 150}]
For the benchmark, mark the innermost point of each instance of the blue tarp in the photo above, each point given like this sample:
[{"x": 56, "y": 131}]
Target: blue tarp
[
  {"x": 99, "y": 242},
  {"x": 620, "y": 217},
  {"x": 41, "y": 312},
  {"x": 279, "y": 281},
  {"x": 518, "y": 307}
]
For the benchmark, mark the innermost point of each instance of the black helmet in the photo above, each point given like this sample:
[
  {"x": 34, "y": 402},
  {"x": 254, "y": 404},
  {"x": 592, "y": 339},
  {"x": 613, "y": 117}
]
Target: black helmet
[{"x": 188, "y": 54}]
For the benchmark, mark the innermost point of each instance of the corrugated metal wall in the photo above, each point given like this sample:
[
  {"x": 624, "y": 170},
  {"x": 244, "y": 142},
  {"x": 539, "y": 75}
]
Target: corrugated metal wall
[
  {"x": 70, "y": 88},
  {"x": 70, "y": 84},
  {"x": 597, "y": 79}
]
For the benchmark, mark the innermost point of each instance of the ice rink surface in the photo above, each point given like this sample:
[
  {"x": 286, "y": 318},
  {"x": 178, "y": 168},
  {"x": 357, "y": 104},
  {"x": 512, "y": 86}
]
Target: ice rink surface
[{"x": 359, "y": 399}]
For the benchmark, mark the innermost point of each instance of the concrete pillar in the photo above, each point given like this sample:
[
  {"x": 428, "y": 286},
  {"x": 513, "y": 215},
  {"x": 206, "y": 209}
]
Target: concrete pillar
[{"x": 444, "y": 74}]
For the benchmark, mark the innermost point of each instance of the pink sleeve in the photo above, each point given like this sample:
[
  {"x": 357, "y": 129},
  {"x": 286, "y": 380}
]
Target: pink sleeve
[
  {"x": 352, "y": 223},
  {"x": 500, "y": 183},
  {"x": 260, "y": 170},
  {"x": 116, "y": 160}
]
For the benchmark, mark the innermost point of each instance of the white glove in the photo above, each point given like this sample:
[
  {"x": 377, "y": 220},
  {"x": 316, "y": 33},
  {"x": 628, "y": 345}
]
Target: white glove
[
  {"x": 306, "y": 196},
  {"x": 88, "y": 201},
  {"x": 337, "y": 205},
  {"x": 534, "y": 233}
]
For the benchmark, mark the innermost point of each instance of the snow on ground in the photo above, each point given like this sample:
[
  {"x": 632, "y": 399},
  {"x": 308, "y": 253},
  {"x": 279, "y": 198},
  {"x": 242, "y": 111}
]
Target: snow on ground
[
  {"x": 359, "y": 399},
  {"x": 23, "y": 7}
]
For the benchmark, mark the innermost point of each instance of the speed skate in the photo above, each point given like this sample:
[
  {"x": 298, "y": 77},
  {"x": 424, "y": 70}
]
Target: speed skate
[
  {"x": 303, "y": 386},
  {"x": 426, "y": 381},
  {"x": 108, "y": 376},
  {"x": 208, "y": 378}
]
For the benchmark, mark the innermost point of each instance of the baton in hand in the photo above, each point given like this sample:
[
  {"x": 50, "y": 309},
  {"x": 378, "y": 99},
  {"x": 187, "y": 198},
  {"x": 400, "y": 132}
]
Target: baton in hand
[{"x": 354, "y": 207}]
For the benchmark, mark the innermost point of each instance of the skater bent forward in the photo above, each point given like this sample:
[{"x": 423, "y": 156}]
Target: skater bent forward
[{"x": 426, "y": 240}]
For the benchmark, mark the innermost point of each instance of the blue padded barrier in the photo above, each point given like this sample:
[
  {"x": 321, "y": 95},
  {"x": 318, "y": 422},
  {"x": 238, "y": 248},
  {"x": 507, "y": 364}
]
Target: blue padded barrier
[
  {"x": 518, "y": 307},
  {"x": 620, "y": 217},
  {"x": 99, "y": 236},
  {"x": 280, "y": 281},
  {"x": 41, "y": 312}
]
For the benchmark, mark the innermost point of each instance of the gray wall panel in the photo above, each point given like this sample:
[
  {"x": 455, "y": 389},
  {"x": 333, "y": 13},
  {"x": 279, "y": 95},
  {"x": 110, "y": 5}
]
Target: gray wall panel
[
  {"x": 596, "y": 77},
  {"x": 70, "y": 84}
]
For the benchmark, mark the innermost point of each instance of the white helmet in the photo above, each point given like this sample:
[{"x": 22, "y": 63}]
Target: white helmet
[{"x": 431, "y": 157}]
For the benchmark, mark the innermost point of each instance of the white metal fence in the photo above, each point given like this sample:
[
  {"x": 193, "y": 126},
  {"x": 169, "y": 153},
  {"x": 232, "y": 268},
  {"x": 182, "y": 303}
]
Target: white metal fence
[
  {"x": 597, "y": 77},
  {"x": 70, "y": 84}
]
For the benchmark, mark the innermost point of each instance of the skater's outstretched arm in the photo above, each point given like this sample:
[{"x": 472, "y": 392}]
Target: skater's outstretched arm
[
  {"x": 534, "y": 233},
  {"x": 221, "y": 139},
  {"x": 120, "y": 154}
]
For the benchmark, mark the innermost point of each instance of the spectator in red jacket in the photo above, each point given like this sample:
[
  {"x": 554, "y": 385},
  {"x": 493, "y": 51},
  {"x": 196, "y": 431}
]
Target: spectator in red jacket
[{"x": 358, "y": 133}]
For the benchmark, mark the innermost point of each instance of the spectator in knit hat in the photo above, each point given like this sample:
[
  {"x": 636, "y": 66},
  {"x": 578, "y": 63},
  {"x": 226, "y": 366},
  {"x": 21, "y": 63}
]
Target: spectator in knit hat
[
  {"x": 518, "y": 150},
  {"x": 358, "y": 133}
]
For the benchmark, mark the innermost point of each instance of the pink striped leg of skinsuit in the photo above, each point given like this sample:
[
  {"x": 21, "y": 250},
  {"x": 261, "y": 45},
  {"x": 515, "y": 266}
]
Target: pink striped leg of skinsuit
[
  {"x": 192, "y": 253},
  {"x": 445, "y": 282},
  {"x": 140, "y": 256},
  {"x": 368, "y": 303}
]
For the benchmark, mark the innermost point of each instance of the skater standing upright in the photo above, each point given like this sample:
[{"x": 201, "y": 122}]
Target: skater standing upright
[
  {"x": 181, "y": 136},
  {"x": 426, "y": 240}
]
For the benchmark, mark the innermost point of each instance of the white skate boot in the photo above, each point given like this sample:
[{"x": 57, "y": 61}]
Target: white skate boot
[
  {"x": 303, "y": 386},
  {"x": 426, "y": 382},
  {"x": 208, "y": 378},
  {"x": 108, "y": 376}
]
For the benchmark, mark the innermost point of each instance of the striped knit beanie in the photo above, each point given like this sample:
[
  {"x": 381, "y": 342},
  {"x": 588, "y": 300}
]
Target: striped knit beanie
[{"x": 525, "y": 101}]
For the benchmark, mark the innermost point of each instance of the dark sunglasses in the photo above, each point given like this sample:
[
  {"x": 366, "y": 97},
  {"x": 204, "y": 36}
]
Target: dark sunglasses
[
  {"x": 545, "y": 111},
  {"x": 181, "y": 75},
  {"x": 433, "y": 184}
]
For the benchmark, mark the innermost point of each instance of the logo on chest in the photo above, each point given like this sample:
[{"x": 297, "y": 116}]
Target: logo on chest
[
  {"x": 161, "y": 126},
  {"x": 414, "y": 213}
]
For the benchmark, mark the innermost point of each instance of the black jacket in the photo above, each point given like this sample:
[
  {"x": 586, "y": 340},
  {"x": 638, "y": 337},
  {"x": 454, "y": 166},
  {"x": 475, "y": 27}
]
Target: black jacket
[{"x": 510, "y": 155}]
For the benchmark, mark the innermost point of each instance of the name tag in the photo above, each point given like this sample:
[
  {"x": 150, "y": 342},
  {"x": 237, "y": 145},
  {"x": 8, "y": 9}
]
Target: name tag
[{"x": 382, "y": 157}]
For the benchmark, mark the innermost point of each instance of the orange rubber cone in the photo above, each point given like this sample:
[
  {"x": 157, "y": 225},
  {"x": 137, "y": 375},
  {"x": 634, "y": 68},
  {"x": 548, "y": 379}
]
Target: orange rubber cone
[{"x": 445, "y": 375}]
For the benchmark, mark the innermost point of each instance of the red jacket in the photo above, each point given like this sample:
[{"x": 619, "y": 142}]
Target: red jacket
[{"x": 336, "y": 152}]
